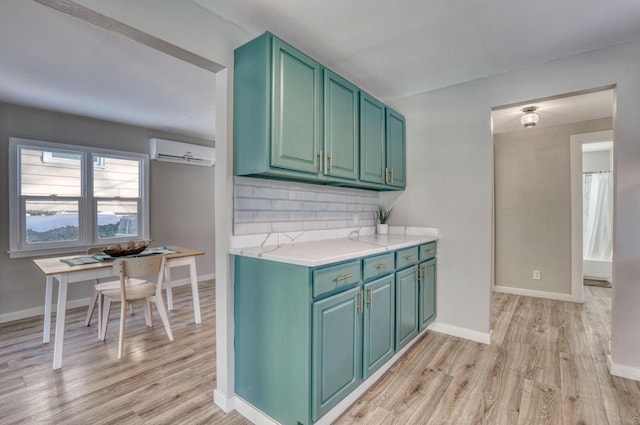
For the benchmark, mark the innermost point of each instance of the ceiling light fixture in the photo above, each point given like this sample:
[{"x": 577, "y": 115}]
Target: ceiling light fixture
[{"x": 530, "y": 118}]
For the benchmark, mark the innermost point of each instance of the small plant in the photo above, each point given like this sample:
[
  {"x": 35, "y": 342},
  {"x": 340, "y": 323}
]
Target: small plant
[{"x": 383, "y": 213}]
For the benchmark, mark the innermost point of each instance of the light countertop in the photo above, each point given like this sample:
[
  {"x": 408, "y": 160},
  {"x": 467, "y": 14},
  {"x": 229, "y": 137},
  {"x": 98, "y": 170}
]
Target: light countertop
[{"x": 328, "y": 251}]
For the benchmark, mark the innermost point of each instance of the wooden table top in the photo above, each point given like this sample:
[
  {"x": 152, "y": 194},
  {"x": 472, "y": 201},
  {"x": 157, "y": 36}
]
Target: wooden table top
[{"x": 53, "y": 265}]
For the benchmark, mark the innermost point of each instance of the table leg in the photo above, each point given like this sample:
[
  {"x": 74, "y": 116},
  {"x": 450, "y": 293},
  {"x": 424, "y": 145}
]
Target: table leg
[
  {"x": 60, "y": 318},
  {"x": 194, "y": 289},
  {"x": 48, "y": 295},
  {"x": 167, "y": 283}
]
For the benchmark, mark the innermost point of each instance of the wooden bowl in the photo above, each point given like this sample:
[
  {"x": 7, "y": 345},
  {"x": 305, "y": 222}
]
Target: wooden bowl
[{"x": 125, "y": 250}]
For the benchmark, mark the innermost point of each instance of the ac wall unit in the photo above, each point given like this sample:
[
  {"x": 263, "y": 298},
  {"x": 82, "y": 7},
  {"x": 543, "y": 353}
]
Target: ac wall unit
[{"x": 181, "y": 153}]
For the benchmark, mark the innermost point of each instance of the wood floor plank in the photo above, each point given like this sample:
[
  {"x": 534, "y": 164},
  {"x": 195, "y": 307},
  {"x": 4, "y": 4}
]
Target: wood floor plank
[{"x": 547, "y": 364}]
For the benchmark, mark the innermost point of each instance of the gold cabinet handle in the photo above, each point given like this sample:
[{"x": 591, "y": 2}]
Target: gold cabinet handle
[
  {"x": 319, "y": 155},
  {"x": 370, "y": 299},
  {"x": 386, "y": 175},
  {"x": 392, "y": 176},
  {"x": 410, "y": 257},
  {"x": 329, "y": 163},
  {"x": 360, "y": 306},
  {"x": 421, "y": 273},
  {"x": 343, "y": 277},
  {"x": 431, "y": 251},
  {"x": 382, "y": 266}
]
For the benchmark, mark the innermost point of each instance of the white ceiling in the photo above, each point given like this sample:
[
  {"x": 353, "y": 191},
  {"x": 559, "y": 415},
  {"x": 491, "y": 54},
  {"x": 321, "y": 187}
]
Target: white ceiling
[
  {"x": 398, "y": 48},
  {"x": 53, "y": 61},
  {"x": 564, "y": 110},
  {"x": 390, "y": 49}
]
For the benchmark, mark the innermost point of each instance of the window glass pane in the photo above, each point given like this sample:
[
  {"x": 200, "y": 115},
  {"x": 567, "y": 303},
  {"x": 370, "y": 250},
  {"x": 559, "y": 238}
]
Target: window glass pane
[
  {"x": 52, "y": 221},
  {"x": 115, "y": 177},
  {"x": 117, "y": 219},
  {"x": 39, "y": 176}
]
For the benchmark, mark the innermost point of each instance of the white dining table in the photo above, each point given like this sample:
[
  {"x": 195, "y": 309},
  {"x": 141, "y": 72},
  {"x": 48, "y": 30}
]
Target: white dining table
[{"x": 56, "y": 270}]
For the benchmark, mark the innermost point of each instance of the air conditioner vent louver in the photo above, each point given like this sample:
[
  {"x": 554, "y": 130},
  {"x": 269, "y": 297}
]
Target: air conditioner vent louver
[{"x": 181, "y": 153}]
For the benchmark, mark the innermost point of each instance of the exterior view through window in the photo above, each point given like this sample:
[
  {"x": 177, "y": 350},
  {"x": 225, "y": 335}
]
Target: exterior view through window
[{"x": 75, "y": 196}]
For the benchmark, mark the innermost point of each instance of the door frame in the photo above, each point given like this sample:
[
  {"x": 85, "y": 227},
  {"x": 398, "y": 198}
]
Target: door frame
[{"x": 576, "y": 142}]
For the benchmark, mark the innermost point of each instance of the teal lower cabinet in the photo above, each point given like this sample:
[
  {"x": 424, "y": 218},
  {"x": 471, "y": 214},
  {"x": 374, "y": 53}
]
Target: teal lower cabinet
[
  {"x": 379, "y": 324},
  {"x": 427, "y": 307},
  {"x": 306, "y": 337},
  {"x": 406, "y": 306},
  {"x": 337, "y": 349}
]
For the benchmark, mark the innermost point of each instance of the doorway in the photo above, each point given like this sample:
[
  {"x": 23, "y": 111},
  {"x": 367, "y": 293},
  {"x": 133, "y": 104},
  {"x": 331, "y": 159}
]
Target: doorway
[{"x": 538, "y": 190}]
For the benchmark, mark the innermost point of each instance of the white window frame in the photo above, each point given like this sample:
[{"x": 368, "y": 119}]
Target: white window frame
[{"x": 87, "y": 204}]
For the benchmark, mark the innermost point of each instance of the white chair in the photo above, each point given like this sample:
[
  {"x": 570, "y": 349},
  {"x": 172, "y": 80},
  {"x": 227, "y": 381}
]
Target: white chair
[
  {"x": 147, "y": 291},
  {"x": 103, "y": 286}
]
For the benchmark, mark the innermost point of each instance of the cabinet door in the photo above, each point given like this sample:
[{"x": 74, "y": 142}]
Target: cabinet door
[
  {"x": 296, "y": 110},
  {"x": 406, "y": 305},
  {"x": 395, "y": 129},
  {"x": 372, "y": 140},
  {"x": 379, "y": 324},
  {"x": 337, "y": 349},
  {"x": 341, "y": 132},
  {"x": 427, "y": 292}
]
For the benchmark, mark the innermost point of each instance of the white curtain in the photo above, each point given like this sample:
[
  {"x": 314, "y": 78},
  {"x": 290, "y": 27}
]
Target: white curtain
[{"x": 598, "y": 216}]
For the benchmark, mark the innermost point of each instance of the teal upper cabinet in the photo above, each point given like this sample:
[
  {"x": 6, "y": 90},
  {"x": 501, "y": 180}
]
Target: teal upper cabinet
[
  {"x": 294, "y": 119},
  {"x": 341, "y": 132},
  {"x": 372, "y": 140},
  {"x": 395, "y": 136},
  {"x": 277, "y": 114},
  {"x": 297, "y": 109}
]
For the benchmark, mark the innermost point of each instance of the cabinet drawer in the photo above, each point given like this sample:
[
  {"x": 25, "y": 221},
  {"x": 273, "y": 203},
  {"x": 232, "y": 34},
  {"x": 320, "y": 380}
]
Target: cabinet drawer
[
  {"x": 406, "y": 257},
  {"x": 379, "y": 265},
  {"x": 427, "y": 251},
  {"x": 331, "y": 278}
]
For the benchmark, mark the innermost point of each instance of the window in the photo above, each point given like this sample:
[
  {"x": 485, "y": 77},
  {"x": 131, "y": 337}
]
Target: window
[{"x": 64, "y": 198}]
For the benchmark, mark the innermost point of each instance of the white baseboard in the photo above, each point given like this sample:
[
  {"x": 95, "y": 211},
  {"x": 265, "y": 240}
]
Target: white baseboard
[
  {"x": 39, "y": 311},
  {"x": 624, "y": 371},
  {"x": 466, "y": 333},
  {"x": 80, "y": 302},
  {"x": 533, "y": 293},
  {"x": 255, "y": 415},
  {"x": 223, "y": 401}
]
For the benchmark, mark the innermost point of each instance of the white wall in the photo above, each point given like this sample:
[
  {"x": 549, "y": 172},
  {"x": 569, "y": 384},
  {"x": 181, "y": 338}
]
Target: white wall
[
  {"x": 596, "y": 161},
  {"x": 450, "y": 171},
  {"x": 533, "y": 206}
]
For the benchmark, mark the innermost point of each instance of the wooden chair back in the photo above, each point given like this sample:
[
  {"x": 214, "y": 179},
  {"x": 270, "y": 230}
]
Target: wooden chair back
[{"x": 138, "y": 266}]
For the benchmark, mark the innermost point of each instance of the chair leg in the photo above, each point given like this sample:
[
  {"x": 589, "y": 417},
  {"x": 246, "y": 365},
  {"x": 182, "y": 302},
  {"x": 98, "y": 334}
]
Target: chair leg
[
  {"x": 123, "y": 319},
  {"x": 92, "y": 307},
  {"x": 147, "y": 314},
  {"x": 162, "y": 312},
  {"x": 105, "y": 318}
]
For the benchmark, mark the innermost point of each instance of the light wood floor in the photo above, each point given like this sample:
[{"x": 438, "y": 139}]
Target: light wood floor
[{"x": 546, "y": 364}]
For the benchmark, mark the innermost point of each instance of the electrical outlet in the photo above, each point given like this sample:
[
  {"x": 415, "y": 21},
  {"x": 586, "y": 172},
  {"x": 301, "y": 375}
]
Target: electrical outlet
[
  {"x": 355, "y": 219},
  {"x": 536, "y": 275}
]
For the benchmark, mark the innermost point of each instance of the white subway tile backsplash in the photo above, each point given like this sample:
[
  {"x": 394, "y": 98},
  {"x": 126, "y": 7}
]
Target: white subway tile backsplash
[
  {"x": 271, "y": 216},
  {"x": 287, "y": 205},
  {"x": 326, "y": 197},
  {"x": 240, "y": 216},
  {"x": 270, "y": 193},
  {"x": 266, "y": 206},
  {"x": 252, "y": 204}
]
